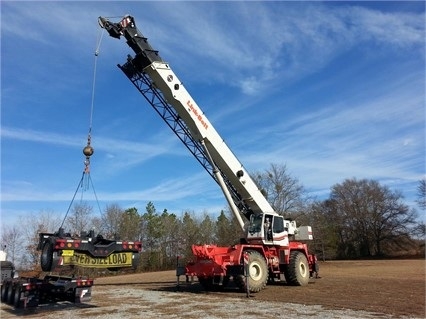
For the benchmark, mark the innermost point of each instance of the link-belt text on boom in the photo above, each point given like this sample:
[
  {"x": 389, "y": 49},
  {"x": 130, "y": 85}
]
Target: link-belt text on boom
[{"x": 198, "y": 116}]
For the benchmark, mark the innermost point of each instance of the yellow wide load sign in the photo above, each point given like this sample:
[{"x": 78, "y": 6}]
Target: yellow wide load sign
[{"x": 114, "y": 260}]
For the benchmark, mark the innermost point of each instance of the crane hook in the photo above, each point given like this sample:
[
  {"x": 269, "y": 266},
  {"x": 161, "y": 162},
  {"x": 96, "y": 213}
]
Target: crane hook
[{"x": 88, "y": 151}]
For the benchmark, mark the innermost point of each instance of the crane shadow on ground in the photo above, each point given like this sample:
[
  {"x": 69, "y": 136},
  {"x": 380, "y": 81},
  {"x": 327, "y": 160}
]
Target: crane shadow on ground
[
  {"x": 196, "y": 288},
  {"x": 174, "y": 286}
]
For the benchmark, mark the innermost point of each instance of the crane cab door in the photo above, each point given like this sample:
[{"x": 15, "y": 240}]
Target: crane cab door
[
  {"x": 267, "y": 229},
  {"x": 279, "y": 233}
]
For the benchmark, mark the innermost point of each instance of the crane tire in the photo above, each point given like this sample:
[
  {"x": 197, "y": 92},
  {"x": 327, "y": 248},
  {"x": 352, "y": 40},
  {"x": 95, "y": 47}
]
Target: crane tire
[
  {"x": 257, "y": 271},
  {"x": 298, "y": 269},
  {"x": 46, "y": 259}
]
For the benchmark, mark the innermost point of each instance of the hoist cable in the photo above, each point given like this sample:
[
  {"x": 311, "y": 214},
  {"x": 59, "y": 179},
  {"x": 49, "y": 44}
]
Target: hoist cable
[
  {"x": 69, "y": 207},
  {"x": 88, "y": 150},
  {"x": 94, "y": 80}
]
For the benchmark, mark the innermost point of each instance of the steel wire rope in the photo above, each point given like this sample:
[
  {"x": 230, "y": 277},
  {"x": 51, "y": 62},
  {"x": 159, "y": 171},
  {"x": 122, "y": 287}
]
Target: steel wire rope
[
  {"x": 86, "y": 171},
  {"x": 72, "y": 200},
  {"x": 94, "y": 79},
  {"x": 94, "y": 192}
]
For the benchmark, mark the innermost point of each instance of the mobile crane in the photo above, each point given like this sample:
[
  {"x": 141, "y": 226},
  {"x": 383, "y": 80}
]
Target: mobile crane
[{"x": 271, "y": 247}]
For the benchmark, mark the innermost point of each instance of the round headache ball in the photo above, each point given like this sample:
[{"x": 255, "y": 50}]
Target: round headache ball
[{"x": 88, "y": 150}]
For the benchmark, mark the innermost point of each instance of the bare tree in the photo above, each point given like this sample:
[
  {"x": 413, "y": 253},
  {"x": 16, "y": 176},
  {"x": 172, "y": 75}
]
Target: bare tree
[
  {"x": 32, "y": 225},
  {"x": 419, "y": 231},
  {"x": 80, "y": 218},
  {"x": 371, "y": 217},
  {"x": 421, "y": 194},
  {"x": 111, "y": 220},
  {"x": 11, "y": 239},
  {"x": 326, "y": 227},
  {"x": 284, "y": 192}
]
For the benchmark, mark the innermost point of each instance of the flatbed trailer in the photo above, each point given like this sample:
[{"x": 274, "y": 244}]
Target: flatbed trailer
[
  {"x": 60, "y": 249},
  {"x": 30, "y": 292}
]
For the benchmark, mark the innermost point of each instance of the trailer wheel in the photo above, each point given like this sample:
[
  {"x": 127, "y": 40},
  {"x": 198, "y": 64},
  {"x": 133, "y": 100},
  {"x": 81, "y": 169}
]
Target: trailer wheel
[
  {"x": 4, "y": 288},
  {"x": 17, "y": 296},
  {"x": 298, "y": 269},
  {"x": 11, "y": 294},
  {"x": 46, "y": 260},
  {"x": 257, "y": 271},
  {"x": 136, "y": 260}
]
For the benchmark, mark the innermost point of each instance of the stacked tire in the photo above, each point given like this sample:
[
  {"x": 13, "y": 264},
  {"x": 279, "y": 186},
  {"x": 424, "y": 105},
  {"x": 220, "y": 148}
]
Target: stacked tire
[{"x": 11, "y": 293}]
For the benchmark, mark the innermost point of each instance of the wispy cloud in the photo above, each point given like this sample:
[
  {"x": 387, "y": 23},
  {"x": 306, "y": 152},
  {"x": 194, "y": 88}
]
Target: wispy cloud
[
  {"x": 37, "y": 136},
  {"x": 128, "y": 153},
  {"x": 171, "y": 189},
  {"x": 227, "y": 45},
  {"x": 334, "y": 91}
]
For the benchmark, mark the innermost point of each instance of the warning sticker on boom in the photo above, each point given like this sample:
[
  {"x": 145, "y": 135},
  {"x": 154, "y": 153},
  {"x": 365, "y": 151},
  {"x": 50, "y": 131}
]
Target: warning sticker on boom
[{"x": 113, "y": 260}]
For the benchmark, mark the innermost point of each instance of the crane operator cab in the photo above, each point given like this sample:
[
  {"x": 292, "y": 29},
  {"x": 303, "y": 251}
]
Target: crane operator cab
[{"x": 270, "y": 229}]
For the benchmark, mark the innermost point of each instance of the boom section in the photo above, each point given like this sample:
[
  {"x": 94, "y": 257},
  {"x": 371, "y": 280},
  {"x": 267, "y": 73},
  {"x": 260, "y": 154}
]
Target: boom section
[
  {"x": 155, "y": 79},
  {"x": 201, "y": 129}
]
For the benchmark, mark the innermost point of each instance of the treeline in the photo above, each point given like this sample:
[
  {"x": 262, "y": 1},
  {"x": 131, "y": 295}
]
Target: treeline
[
  {"x": 362, "y": 219},
  {"x": 165, "y": 236},
  {"x": 359, "y": 219}
]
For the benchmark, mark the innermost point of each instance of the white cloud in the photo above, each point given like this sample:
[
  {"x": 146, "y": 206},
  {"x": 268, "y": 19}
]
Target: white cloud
[{"x": 258, "y": 64}]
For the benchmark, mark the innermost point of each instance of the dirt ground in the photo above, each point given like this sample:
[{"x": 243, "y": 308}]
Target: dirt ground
[{"x": 346, "y": 289}]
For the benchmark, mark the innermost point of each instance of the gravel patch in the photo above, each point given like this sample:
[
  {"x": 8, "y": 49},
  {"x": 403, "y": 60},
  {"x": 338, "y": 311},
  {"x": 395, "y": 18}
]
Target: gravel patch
[{"x": 135, "y": 302}]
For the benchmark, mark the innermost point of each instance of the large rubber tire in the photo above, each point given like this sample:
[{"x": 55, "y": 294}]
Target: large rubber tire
[
  {"x": 46, "y": 259},
  {"x": 4, "y": 289},
  {"x": 17, "y": 297},
  {"x": 298, "y": 269},
  {"x": 257, "y": 271},
  {"x": 136, "y": 259},
  {"x": 11, "y": 294}
]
